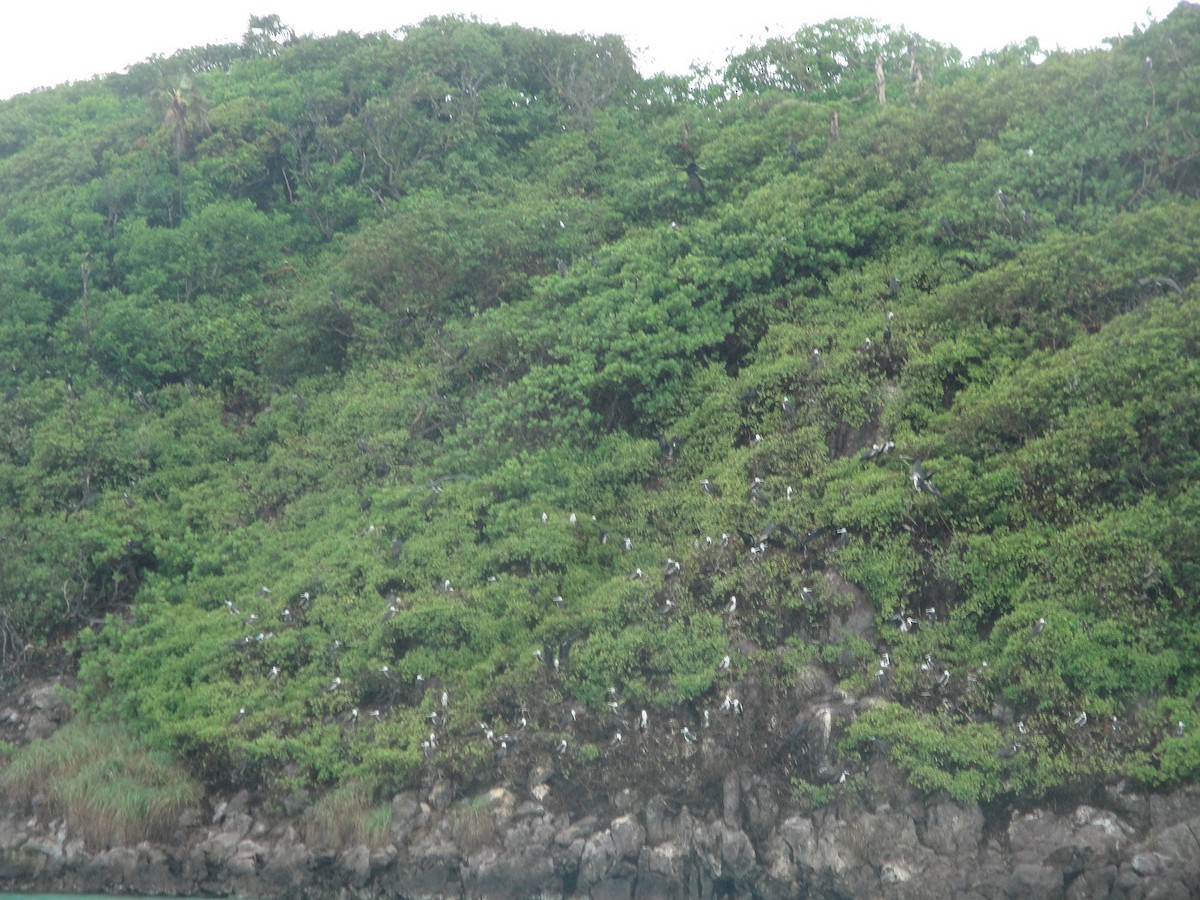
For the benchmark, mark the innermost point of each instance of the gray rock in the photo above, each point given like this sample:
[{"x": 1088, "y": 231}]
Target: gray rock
[
  {"x": 1171, "y": 889},
  {"x": 625, "y": 800},
  {"x": 628, "y": 837},
  {"x": 422, "y": 879},
  {"x": 657, "y": 820},
  {"x": 119, "y": 864},
  {"x": 246, "y": 858},
  {"x": 616, "y": 887},
  {"x": 599, "y": 855},
  {"x": 661, "y": 872},
  {"x": 737, "y": 853},
  {"x": 1093, "y": 884},
  {"x": 952, "y": 829},
  {"x": 1034, "y": 835},
  {"x": 894, "y": 873},
  {"x": 492, "y": 874},
  {"x": 732, "y": 789},
  {"x": 441, "y": 795},
  {"x": 760, "y": 807},
  {"x": 286, "y": 864},
  {"x": 408, "y": 814},
  {"x": 221, "y": 846},
  {"x": 1034, "y": 880},
  {"x": 238, "y": 803},
  {"x": 381, "y": 858},
  {"x": 47, "y": 698},
  {"x": 356, "y": 864},
  {"x": 49, "y": 846},
  {"x": 799, "y": 837},
  {"x": 1181, "y": 844},
  {"x": 529, "y": 833},
  {"x": 779, "y": 881},
  {"x": 1147, "y": 865}
]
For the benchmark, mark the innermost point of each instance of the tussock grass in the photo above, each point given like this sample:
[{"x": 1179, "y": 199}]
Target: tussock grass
[
  {"x": 348, "y": 816},
  {"x": 109, "y": 786},
  {"x": 472, "y": 824}
]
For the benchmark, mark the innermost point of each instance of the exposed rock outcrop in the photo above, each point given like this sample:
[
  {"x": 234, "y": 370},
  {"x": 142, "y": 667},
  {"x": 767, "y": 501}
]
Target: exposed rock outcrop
[{"x": 1134, "y": 847}]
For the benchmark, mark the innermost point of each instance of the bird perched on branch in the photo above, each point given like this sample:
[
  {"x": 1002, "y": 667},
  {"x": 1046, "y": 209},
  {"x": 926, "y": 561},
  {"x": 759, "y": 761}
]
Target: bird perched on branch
[
  {"x": 1161, "y": 282},
  {"x": 922, "y": 482},
  {"x": 668, "y": 447}
]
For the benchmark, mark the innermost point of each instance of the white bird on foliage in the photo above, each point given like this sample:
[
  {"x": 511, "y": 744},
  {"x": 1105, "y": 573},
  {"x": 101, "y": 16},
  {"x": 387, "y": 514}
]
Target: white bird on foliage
[
  {"x": 1080, "y": 720},
  {"x": 921, "y": 482}
]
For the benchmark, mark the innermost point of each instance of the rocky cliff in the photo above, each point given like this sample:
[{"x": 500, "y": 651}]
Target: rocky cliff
[{"x": 744, "y": 836}]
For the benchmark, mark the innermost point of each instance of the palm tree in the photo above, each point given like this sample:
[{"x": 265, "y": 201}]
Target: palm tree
[{"x": 185, "y": 114}]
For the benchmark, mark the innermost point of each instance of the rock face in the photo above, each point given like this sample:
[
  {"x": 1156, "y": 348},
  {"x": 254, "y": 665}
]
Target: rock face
[
  {"x": 735, "y": 831},
  {"x": 516, "y": 847}
]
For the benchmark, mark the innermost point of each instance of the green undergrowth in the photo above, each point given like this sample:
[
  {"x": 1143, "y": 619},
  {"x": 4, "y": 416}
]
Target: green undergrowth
[{"x": 341, "y": 375}]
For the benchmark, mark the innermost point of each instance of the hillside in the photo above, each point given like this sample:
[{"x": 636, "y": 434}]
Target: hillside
[{"x": 371, "y": 399}]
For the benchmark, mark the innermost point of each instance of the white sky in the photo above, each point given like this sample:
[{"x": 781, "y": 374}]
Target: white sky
[{"x": 53, "y": 41}]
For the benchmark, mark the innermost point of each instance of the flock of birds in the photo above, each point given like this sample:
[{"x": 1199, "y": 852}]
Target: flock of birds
[{"x": 555, "y": 657}]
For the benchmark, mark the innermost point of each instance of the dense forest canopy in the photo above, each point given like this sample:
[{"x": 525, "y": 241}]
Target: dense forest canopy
[{"x": 464, "y": 375}]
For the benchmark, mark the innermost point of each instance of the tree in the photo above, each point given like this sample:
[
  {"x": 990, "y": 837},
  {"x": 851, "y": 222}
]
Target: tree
[{"x": 844, "y": 59}]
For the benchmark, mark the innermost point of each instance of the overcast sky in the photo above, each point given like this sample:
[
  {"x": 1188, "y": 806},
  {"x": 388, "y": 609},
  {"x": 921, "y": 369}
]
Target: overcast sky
[{"x": 52, "y": 41}]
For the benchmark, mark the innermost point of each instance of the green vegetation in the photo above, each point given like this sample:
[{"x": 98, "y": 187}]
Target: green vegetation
[
  {"x": 312, "y": 349},
  {"x": 346, "y": 816},
  {"x": 112, "y": 789}
]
